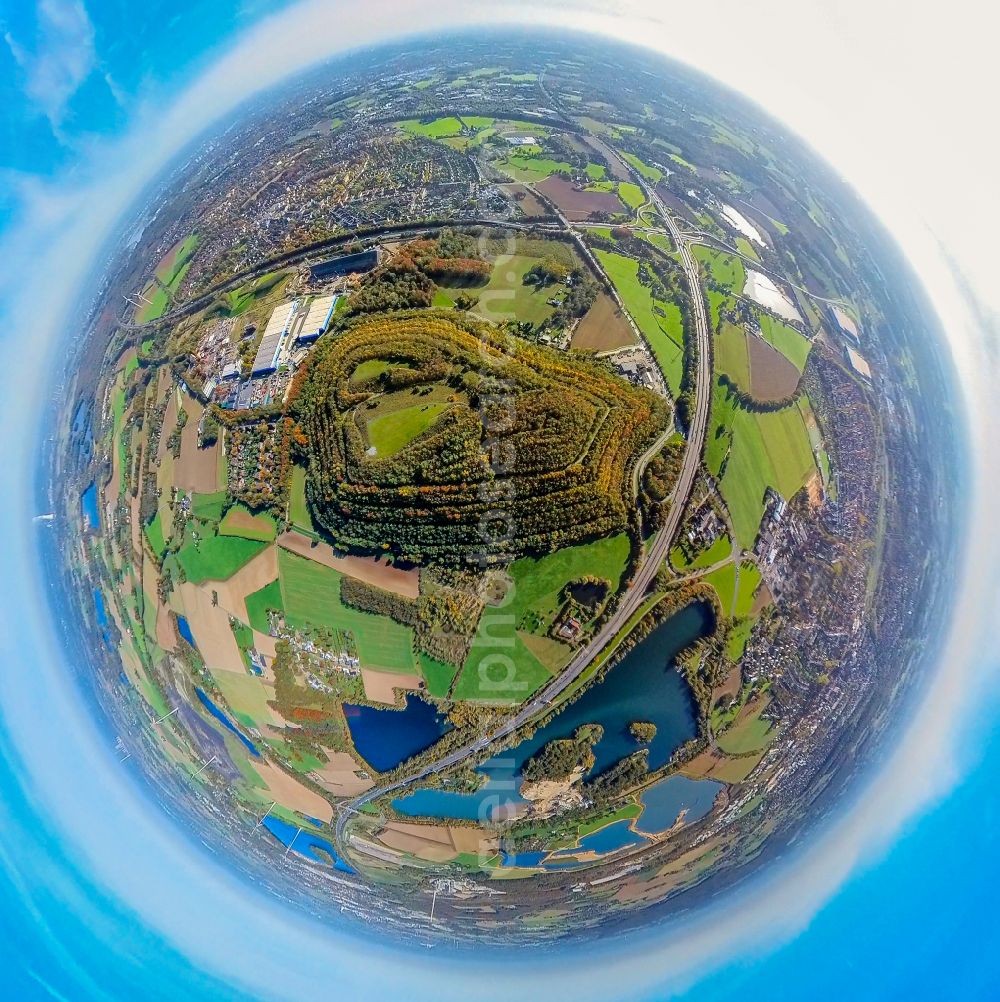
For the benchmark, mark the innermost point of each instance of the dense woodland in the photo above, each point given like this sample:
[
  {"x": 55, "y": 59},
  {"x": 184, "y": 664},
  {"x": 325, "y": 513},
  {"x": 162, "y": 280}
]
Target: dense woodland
[{"x": 533, "y": 451}]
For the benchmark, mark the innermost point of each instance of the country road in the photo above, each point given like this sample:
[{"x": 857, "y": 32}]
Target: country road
[{"x": 655, "y": 556}]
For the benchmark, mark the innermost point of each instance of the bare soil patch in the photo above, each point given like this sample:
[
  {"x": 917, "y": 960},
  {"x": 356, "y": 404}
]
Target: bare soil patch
[
  {"x": 381, "y": 686},
  {"x": 340, "y": 776},
  {"x": 772, "y": 376},
  {"x": 577, "y": 203},
  {"x": 528, "y": 202},
  {"x": 604, "y": 327}
]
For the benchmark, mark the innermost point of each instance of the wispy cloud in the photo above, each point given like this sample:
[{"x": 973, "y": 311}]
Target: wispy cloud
[{"x": 60, "y": 58}]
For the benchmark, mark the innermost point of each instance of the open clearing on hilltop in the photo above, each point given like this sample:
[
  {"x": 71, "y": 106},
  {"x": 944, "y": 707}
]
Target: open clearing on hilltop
[
  {"x": 604, "y": 327},
  {"x": 506, "y": 296},
  {"x": 390, "y": 432}
]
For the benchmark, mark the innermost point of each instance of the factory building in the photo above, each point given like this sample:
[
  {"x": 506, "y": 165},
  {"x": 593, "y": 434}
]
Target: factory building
[
  {"x": 269, "y": 350},
  {"x": 317, "y": 318},
  {"x": 346, "y": 264}
]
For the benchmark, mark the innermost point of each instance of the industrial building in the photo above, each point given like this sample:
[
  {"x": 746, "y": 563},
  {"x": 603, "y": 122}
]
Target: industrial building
[
  {"x": 346, "y": 264},
  {"x": 316, "y": 319},
  {"x": 295, "y": 323},
  {"x": 269, "y": 350}
]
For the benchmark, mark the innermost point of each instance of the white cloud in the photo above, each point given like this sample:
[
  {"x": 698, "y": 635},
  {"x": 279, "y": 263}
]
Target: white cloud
[
  {"x": 913, "y": 144},
  {"x": 60, "y": 60}
]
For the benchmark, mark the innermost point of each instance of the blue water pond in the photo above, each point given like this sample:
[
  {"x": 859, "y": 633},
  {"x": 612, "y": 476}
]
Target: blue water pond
[{"x": 225, "y": 721}]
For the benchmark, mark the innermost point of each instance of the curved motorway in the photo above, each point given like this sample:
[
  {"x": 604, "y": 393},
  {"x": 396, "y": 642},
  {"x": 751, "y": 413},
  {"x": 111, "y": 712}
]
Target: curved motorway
[{"x": 655, "y": 556}]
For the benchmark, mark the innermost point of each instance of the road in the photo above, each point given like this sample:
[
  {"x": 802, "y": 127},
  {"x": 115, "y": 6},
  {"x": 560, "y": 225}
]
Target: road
[{"x": 655, "y": 556}]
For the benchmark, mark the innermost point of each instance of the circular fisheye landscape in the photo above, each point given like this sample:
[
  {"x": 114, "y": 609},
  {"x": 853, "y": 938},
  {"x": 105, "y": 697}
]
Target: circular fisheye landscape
[{"x": 506, "y": 489}]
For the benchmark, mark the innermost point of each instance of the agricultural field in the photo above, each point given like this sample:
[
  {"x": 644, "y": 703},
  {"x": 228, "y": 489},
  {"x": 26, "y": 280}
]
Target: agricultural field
[
  {"x": 241, "y": 521},
  {"x": 753, "y": 452},
  {"x": 731, "y": 355},
  {"x": 793, "y": 345},
  {"x": 659, "y": 322},
  {"x": 310, "y": 596},
  {"x": 537, "y": 585},
  {"x": 603, "y": 328},
  {"x": 216, "y": 558}
]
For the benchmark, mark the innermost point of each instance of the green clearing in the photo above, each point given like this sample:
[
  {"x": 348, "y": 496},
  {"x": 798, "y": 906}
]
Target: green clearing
[
  {"x": 437, "y": 675},
  {"x": 438, "y": 128},
  {"x": 631, "y": 194},
  {"x": 723, "y": 581},
  {"x": 298, "y": 508},
  {"x": 596, "y": 172},
  {"x": 531, "y": 167},
  {"x": 390, "y": 432},
  {"x": 726, "y": 269},
  {"x": 649, "y": 173},
  {"x": 371, "y": 369},
  {"x": 154, "y": 534},
  {"x": 217, "y": 558},
  {"x": 269, "y": 597},
  {"x": 719, "y": 550},
  {"x": 747, "y": 249},
  {"x": 731, "y": 356},
  {"x": 505, "y": 295},
  {"x": 310, "y": 594},
  {"x": 241, "y": 521},
  {"x": 786, "y": 339},
  {"x": 208, "y": 507},
  {"x": 748, "y": 735},
  {"x": 500, "y": 667},
  {"x": 441, "y": 301},
  {"x": 737, "y": 640},
  {"x": 660, "y": 323},
  {"x": 662, "y": 242},
  {"x": 246, "y": 296},
  {"x": 749, "y": 580}
]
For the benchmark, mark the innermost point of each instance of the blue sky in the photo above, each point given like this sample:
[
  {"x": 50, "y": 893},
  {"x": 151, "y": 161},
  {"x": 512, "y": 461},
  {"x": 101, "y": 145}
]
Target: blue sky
[{"x": 897, "y": 900}]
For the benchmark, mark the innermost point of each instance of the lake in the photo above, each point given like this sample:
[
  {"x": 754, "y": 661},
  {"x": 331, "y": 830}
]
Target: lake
[
  {"x": 386, "y": 737},
  {"x": 184, "y": 629},
  {"x": 664, "y": 801},
  {"x": 88, "y": 504},
  {"x": 645, "y": 685},
  {"x": 225, "y": 721},
  {"x": 304, "y": 842}
]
